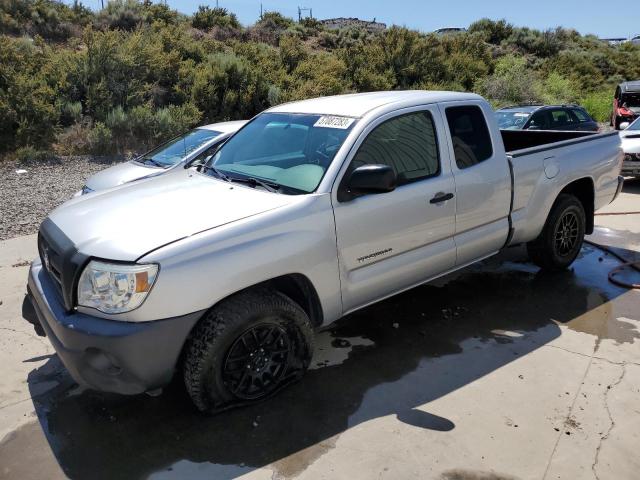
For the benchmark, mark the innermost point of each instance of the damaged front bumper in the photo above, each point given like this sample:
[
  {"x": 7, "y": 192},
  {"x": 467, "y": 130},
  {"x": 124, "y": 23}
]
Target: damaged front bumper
[{"x": 108, "y": 355}]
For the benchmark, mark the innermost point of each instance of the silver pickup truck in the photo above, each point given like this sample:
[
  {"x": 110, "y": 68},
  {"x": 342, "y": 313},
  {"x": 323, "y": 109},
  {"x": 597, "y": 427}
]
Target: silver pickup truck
[{"x": 312, "y": 210}]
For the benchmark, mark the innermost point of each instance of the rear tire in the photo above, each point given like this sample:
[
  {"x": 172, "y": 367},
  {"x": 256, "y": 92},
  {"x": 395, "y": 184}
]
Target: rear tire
[
  {"x": 246, "y": 348},
  {"x": 561, "y": 239}
]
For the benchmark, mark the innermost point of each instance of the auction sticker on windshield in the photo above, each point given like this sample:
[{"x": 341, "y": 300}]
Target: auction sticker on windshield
[{"x": 330, "y": 121}]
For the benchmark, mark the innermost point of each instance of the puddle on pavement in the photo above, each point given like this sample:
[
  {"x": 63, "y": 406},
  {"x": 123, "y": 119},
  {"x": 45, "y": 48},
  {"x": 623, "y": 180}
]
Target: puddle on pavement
[{"x": 392, "y": 358}]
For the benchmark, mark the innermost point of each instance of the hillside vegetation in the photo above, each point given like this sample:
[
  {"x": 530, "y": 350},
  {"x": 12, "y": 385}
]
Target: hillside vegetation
[{"x": 74, "y": 81}]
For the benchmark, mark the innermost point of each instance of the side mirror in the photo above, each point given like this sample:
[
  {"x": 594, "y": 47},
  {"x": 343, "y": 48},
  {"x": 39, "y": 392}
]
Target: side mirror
[
  {"x": 624, "y": 125},
  {"x": 372, "y": 179}
]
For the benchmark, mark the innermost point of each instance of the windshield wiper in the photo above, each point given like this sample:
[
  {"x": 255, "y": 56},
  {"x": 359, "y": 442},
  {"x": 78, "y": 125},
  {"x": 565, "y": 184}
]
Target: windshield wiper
[
  {"x": 151, "y": 161},
  {"x": 216, "y": 172},
  {"x": 269, "y": 186},
  {"x": 253, "y": 181}
]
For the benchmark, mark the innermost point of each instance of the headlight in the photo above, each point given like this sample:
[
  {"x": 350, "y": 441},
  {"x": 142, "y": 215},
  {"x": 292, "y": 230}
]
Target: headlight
[{"x": 115, "y": 288}]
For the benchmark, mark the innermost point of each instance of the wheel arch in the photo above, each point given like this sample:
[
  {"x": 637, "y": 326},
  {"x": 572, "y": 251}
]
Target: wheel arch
[
  {"x": 297, "y": 287},
  {"x": 584, "y": 190}
]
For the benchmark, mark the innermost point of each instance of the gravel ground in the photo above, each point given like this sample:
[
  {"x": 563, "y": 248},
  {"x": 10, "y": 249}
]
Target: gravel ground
[{"x": 28, "y": 197}]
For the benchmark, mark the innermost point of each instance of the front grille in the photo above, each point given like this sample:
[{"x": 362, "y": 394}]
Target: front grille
[
  {"x": 61, "y": 260},
  {"x": 51, "y": 261},
  {"x": 632, "y": 157}
]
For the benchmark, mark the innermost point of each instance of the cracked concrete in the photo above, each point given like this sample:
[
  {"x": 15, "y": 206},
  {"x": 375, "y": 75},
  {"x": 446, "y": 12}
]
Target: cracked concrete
[
  {"x": 537, "y": 377},
  {"x": 603, "y": 438}
]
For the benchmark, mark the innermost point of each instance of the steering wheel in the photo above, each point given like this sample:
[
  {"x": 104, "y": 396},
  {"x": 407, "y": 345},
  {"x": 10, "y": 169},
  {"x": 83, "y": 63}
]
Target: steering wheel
[{"x": 322, "y": 158}]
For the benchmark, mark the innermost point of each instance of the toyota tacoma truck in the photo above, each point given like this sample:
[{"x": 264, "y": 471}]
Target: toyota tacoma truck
[{"x": 222, "y": 272}]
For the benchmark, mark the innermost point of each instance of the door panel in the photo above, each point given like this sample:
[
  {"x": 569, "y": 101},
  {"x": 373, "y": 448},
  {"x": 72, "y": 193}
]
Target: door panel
[
  {"x": 483, "y": 189},
  {"x": 391, "y": 241}
]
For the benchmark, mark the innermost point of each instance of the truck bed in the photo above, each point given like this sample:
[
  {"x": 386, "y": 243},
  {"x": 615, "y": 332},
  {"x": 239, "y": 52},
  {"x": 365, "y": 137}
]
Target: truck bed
[
  {"x": 515, "y": 140},
  {"x": 540, "y": 158}
]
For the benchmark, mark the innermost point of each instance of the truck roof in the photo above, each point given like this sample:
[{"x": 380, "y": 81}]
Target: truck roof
[
  {"x": 530, "y": 108},
  {"x": 358, "y": 104},
  {"x": 224, "y": 127}
]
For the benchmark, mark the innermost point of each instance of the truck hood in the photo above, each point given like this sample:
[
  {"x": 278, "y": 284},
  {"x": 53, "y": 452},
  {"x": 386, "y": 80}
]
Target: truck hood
[
  {"x": 119, "y": 174},
  {"x": 126, "y": 222}
]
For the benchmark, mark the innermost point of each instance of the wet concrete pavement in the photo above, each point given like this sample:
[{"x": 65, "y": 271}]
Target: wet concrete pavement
[{"x": 495, "y": 372}]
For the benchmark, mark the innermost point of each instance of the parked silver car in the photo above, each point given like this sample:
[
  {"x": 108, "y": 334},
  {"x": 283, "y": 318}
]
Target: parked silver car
[
  {"x": 631, "y": 147},
  {"x": 167, "y": 156}
]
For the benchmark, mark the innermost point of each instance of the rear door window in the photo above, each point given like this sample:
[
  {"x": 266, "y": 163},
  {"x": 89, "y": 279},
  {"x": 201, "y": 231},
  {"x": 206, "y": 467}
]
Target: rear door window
[{"x": 470, "y": 135}]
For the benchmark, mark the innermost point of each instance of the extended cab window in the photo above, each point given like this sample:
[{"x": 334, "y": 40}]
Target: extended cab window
[
  {"x": 470, "y": 135},
  {"x": 406, "y": 143}
]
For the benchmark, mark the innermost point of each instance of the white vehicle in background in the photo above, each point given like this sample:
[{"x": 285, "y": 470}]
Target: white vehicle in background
[
  {"x": 630, "y": 136},
  {"x": 190, "y": 146}
]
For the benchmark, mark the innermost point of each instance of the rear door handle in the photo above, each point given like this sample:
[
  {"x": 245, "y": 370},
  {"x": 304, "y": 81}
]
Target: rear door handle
[{"x": 441, "y": 197}]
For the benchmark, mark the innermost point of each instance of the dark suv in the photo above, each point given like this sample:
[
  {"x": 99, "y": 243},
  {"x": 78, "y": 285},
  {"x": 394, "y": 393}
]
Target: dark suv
[
  {"x": 626, "y": 103},
  {"x": 545, "y": 117}
]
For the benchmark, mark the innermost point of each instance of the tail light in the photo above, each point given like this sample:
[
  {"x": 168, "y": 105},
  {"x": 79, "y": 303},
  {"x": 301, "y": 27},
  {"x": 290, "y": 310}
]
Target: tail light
[{"x": 625, "y": 112}]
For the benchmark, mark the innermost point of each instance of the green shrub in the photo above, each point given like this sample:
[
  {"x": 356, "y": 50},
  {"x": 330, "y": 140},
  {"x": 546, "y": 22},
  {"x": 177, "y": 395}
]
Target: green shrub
[
  {"x": 292, "y": 52},
  {"x": 225, "y": 87},
  {"x": 598, "y": 104},
  {"x": 117, "y": 121},
  {"x": 100, "y": 139},
  {"x": 511, "y": 82},
  {"x": 70, "y": 113},
  {"x": 207, "y": 18},
  {"x": 136, "y": 72},
  {"x": 556, "y": 89},
  {"x": 494, "y": 32},
  {"x": 29, "y": 154}
]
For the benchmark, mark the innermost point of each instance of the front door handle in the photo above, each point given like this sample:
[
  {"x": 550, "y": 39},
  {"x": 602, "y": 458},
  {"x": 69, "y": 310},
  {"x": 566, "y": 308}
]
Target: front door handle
[{"x": 441, "y": 197}]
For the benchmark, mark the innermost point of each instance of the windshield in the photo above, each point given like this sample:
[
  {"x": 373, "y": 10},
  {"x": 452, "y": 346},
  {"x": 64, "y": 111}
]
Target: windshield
[
  {"x": 630, "y": 100},
  {"x": 635, "y": 125},
  {"x": 289, "y": 151},
  {"x": 511, "y": 120},
  {"x": 175, "y": 150}
]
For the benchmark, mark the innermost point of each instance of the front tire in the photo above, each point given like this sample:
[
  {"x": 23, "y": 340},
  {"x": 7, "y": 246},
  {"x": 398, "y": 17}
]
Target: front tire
[
  {"x": 561, "y": 239},
  {"x": 246, "y": 348}
]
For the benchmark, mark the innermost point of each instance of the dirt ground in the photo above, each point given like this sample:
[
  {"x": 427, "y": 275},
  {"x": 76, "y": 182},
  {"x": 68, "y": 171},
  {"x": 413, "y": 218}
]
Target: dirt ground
[{"x": 496, "y": 372}]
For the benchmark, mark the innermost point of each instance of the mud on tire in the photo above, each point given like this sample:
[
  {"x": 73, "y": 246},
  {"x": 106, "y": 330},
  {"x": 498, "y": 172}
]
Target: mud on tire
[
  {"x": 561, "y": 239},
  {"x": 263, "y": 332}
]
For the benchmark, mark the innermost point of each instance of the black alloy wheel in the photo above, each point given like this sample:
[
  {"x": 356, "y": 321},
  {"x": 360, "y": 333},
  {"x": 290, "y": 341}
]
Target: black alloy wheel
[{"x": 257, "y": 360}]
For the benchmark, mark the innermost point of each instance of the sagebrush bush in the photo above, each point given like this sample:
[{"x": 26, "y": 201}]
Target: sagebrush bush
[
  {"x": 73, "y": 140},
  {"x": 101, "y": 139}
]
